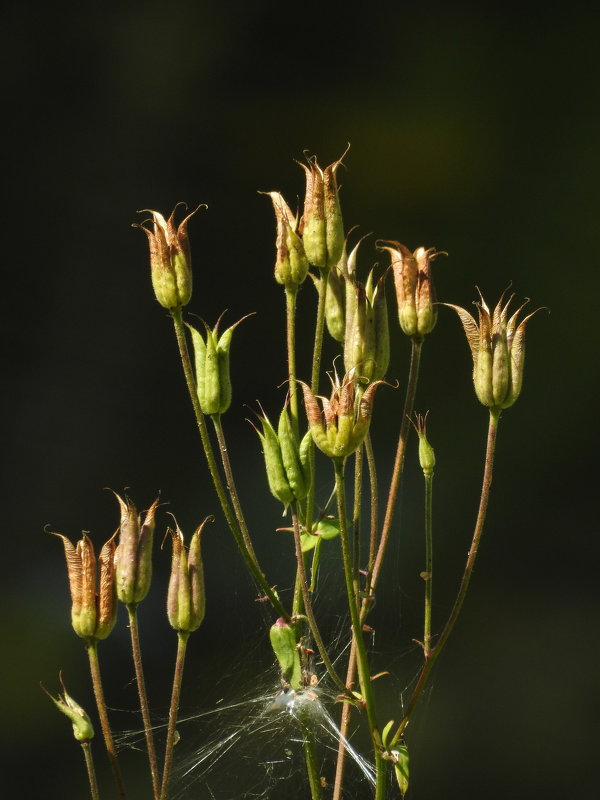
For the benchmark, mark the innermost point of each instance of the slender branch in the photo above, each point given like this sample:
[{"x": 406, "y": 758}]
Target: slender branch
[
  {"x": 235, "y": 500},
  {"x": 182, "y": 638},
  {"x": 308, "y": 606},
  {"x": 143, "y": 696},
  {"x": 92, "y": 651},
  {"x": 214, "y": 471},
  {"x": 428, "y": 574},
  {"x": 374, "y": 504},
  {"x": 344, "y": 725},
  {"x": 290, "y": 307},
  {"x": 312, "y": 769},
  {"x": 89, "y": 763},
  {"x": 468, "y": 571},
  {"x": 409, "y": 401},
  {"x": 361, "y": 653}
]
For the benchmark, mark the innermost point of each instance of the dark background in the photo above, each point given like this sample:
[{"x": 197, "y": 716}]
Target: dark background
[{"x": 472, "y": 130}]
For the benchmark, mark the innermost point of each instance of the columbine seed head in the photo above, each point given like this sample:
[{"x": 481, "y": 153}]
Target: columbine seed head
[
  {"x": 498, "y": 348},
  {"x": 133, "y": 557},
  {"x": 342, "y": 424},
  {"x": 291, "y": 264},
  {"x": 322, "y": 224},
  {"x": 93, "y": 613},
  {"x": 170, "y": 258},
  {"x": 186, "y": 603},
  {"x": 426, "y": 451},
  {"x": 415, "y": 293}
]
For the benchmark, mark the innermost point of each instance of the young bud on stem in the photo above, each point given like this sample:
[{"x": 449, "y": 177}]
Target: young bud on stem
[{"x": 83, "y": 730}]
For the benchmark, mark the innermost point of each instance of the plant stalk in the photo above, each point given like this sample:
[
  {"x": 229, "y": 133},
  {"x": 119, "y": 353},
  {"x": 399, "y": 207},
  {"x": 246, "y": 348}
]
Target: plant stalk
[
  {"x": 92, "y": 651},
  {"x": 464, "y": 584},
  {"x": 143, "y": 696},
  {"x": 89, "y": 763},
  {"x": 182, "y": 639}
]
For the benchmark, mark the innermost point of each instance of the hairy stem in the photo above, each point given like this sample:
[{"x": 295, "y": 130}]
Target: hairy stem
[
  {"x": 428, "y": 573},
  {"x": 143, "y": 696},
  {"x": 310, "y": 756},
  {"x": 290, "y": 308},
  {"x": 464, "y": 584},
  {"x": 308, "y": 606},
  {"x": 182, "y": 638},
  {"x": 89, "y": 764},
  {"x": 250, "y": 562},
  {"x": 409, "y": 402},
  {"x": 92, "y": 651},
  {"x": 361, "y": 652}
]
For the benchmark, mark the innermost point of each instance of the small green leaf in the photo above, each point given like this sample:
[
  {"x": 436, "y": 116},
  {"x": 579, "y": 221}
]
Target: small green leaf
[
  {"x": 309, "y": 541},
  {"x": 328, "y": 528},
  {"x": 385, "y": 732},
  {"x": 401, "y": 767}
]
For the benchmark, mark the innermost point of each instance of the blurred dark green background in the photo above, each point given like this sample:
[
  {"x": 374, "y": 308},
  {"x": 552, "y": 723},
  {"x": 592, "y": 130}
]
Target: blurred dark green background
[{"x": 475, "y": 131}]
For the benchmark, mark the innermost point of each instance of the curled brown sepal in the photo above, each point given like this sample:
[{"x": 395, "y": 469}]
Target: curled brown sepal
[
  {"x": 497, "y": 345},
  {"x": 170, "y": 257},
  {"x": 133, "y": 556},
  {"x": 93, "y": 614},
  {"x": 186, "y": 603},
  {"x": 83, "y": 730}
]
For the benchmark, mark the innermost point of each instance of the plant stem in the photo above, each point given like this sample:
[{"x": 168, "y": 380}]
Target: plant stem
[
  {"x": 92, "y": 651},
  {"x": 428, "y": 574},
  {"x": 235, "y": 500},
  {"x": 361, "y": 653},
  {"x": 290, "y": 308},
  {"x": 468, "y": 571},
  {"x": 308, "y": 606},
  {"x": 374, "y": 505},
  {"x": 250, "y": 562},
  {"x": 143, "y": 696},
  {"x": 344, "y": 725},
  {"x": 314, "y": 385},
  {"x": 89, "y": 763},
  {"x": 311, "y": 767},
  {"x": 182, "y": 638},
  {"x": 409, "y": 401}
]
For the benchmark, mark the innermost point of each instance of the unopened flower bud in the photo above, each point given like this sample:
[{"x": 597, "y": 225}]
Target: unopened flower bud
[
  {"x": 322, "y": 224},
  {"x": 170, "y": 258},
  {"x": 186, "y": 603},
  {"x": 498, "y": 348},
  {"x": 134, "y": 552},
  {"x": 426, "y": 452},
  {"x": 213, "y": 381},
  {"x": 283, "y": 642},
  {"x": 83, "y": 730},
  {"x": 415, "y": 293},
  {"x": 342, "y": 424},
  {"x": 291, "y": 264},
  {"x": 93, "y": 614}
]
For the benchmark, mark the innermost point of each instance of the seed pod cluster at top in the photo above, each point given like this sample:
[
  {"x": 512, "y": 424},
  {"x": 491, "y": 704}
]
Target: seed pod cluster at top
[{"x": 497, "y": 346}]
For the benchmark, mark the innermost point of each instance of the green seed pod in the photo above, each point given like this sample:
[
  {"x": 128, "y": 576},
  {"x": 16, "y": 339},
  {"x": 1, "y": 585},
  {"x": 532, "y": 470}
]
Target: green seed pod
[
  {"x": 291, "y": 264},
  {"x": 133, "y": 556},
  {"x": 334, "y": 305},
  {"x": 426, "y": 451},
  {"x": 322, "y": 224},
  {"x": 276, "y": 473},
  {"x": 186, "y": 602},
  {"x": 283, "y": 642},
  {"x": 211, "y": 357},
  {"x": 297, "y": 477}
]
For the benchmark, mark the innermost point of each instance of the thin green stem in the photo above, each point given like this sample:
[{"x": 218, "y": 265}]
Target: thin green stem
[
  {"x": 312, "y": 769},
  {"x": 89, "y": 763},
  {"x": 428, "y": 573},
  {"x": 143, "y": 696},
  {"x": 230, "y": 482},
  {"x": 344, "y": 725},
  {"x": 356, "y": 509},
  {"x": 361, "y": 652},
  {"x": 290, "y": 308},
  {"x": 314, "y": 385},
  {"x": 468, "y": 571},
  {"x": 214, "y": 470},
  {"x": 182, "y": 639},
  {"x": 92, "y": 651},
  {"x": 314, "y": 629},
  {"x": 374, "y": 504},
  {"x": 409, "y": 402}
]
